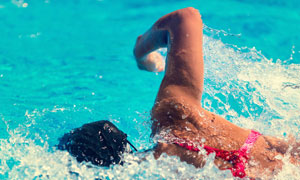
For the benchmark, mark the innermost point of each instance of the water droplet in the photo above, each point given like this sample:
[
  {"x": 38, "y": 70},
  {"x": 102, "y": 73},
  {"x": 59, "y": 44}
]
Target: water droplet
[{"x": 24, "y": 5}]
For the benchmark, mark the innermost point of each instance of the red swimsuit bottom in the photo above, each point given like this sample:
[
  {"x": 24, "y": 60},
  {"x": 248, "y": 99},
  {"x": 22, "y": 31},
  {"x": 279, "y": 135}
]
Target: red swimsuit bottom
[{"x": 238, "y": 158}]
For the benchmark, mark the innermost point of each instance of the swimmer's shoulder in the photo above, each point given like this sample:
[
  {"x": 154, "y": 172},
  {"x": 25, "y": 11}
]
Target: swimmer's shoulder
[{"x": 173, "y": 113}]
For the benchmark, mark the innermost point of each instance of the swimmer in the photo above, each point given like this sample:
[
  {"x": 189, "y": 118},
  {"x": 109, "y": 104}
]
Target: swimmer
[{"x": 178, "y": 117}]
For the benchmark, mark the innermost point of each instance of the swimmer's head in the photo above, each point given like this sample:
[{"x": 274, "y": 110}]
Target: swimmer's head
[{"x": 100, "y": 143}]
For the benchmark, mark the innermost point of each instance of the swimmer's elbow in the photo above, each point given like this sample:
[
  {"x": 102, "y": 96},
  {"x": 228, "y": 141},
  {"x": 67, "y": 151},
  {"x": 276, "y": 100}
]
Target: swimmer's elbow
[
  {"x": 188, "y": 13},
  {"x": 191, "y": 11}
]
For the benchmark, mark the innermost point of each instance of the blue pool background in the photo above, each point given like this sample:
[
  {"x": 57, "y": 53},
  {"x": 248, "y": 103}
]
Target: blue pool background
[{"x": 66, "y": 63}]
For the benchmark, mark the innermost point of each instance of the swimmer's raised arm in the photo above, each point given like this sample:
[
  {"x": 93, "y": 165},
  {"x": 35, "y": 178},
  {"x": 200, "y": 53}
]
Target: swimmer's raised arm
[{"x": 181, "y": 32}]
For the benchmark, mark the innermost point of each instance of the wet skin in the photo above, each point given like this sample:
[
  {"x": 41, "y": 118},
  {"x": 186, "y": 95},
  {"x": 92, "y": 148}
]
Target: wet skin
[{"x": 177, "y": 107}]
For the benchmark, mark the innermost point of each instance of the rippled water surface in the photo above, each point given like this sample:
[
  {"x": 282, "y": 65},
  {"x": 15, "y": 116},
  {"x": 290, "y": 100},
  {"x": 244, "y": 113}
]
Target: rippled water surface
[{"x": 66, "y": 63}]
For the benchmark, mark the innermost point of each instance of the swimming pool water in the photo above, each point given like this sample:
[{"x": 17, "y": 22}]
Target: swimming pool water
[{"x": 66, "y": 63}]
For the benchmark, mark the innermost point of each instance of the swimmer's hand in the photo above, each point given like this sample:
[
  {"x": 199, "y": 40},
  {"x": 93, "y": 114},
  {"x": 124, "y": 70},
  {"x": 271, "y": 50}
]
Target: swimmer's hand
[{"x": 153, "y": 62}]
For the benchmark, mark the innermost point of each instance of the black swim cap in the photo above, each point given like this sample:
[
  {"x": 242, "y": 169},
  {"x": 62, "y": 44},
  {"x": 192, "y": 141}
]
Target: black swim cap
[{"x": 100, "y": 143}]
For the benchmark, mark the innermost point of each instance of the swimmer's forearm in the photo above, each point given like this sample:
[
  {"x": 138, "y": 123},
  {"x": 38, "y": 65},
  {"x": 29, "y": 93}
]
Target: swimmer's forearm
[
  {"x": 158, "y": 35},
  {"x": 150, "y": 41}
]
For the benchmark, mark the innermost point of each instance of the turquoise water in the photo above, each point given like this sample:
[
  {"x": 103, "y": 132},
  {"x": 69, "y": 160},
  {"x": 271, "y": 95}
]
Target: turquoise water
[{"x": 66, "y": 63}]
